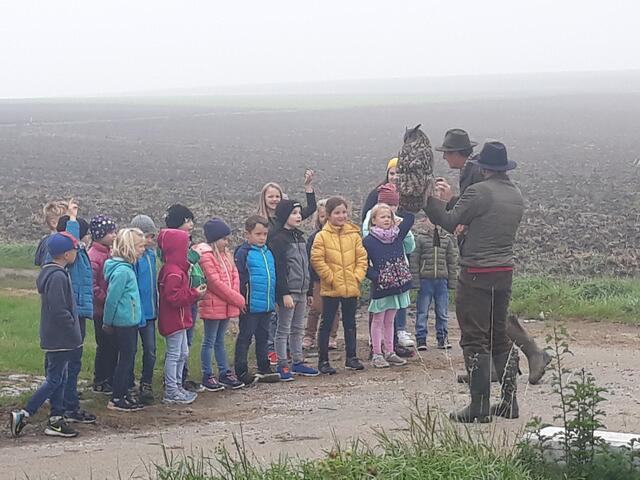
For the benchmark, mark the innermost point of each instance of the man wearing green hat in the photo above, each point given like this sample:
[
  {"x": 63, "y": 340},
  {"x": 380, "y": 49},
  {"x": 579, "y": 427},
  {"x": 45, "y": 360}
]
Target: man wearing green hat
[{"x": 457, "y": 151}]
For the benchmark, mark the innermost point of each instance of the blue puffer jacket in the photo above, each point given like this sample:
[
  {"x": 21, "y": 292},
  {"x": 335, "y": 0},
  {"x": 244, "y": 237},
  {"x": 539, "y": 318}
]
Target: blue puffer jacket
[
  {"x": 122, "y": 307},
  {"x": 146, "y": 269},
  {"x": 81, "y": 275},
  {"x": 257, "y": 271}
]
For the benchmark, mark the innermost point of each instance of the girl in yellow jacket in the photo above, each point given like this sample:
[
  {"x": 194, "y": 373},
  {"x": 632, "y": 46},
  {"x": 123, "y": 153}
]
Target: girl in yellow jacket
[{"x": 340, "y": 260}]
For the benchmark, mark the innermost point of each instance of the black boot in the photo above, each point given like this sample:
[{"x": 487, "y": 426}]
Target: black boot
[
  {"x": 464, "y": 377},
  {"x": 479, "y": 367},
  {"x": 538, "y": 359},
  {"x": 507, "y": 367}
]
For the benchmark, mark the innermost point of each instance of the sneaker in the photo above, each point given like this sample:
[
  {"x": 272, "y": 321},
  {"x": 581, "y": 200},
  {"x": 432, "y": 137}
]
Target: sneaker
[
  {"x": 123, "y": 405},
  {"x": 134, "y": 400},
  {"x": 422, "y": 345},
  {"x": 104, "y": 388},
  {"x": 378, "y": 361},
  {"x": 249, "y": 379},
  {"x": 191, "y": 386},
  {"x": 404, "y": 339},
  {"x": 403, "y": 352},
  {"x": 444, "y": 344},
  {"x": 230, "y": 381},
  {"x": 273, "y": 358},
  {"x": 285, "y": 373},
  {"x": 57, "y": 427},
  {"x": 393, "y": 359},
  {"x": 211, "y": 384},
  {"x": 353, "y": 364},
  {"x": 79, "y": 416},
  {"x": 180, "y": 398},
  {"x": 17, "y": 422},
  {"x": 304, "y": 370},
  {"x": 326, "y": 369},
  {"x": 333, "y": 344},
  {"x": 146, "y": 394},
  {"x": 268, "y": 376},
  {"x": 308, "y": 343}
]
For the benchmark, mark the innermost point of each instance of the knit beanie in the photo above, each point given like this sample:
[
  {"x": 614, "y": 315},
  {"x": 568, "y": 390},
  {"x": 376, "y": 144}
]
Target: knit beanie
[
  {"x": 215, "y": 229},
  {"x": 177, "y": 215},
  {"x": 388, "y": 193},
  {"x": 60, "y": 243},
  {"x": 144, "y": 223},
  {"x": 100, "y": 226},
  {"x": 393, "y": 163},
  {"x": 82, "y": 224},
  {"x": 284, "y": 209}
]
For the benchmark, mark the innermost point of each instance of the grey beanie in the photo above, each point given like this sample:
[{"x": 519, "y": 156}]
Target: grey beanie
[{"x": 144, "y": 223}]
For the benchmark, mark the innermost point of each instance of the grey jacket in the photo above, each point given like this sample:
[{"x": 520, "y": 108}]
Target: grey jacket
[
  {"x": 292, "y": 262},
  {"x": 428, "y": 261},
  {"x": 59, "y": 323},
  {"x": 492, "y": 211}
]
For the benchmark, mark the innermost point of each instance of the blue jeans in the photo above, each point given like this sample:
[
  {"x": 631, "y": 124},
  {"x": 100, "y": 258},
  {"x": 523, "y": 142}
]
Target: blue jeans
[
  {"x": 435, "y": 289},
  {"x": 273, "y": 326},
  {"x": 213, "y": 341},
  {"x": 53, "y": 386},
  {"x": 126, "y": 339},
  {"x": 148, "y": 337},
  {"x": 71, "y": 399},
  {"x": 401, "y": 319},
  {"x": 175, "y": 359}
]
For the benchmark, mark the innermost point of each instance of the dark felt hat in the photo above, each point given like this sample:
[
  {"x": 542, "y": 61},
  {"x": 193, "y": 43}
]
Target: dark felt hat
[
  {"x": 494, "y": 157},
  {"x": 456, "y": 140}
]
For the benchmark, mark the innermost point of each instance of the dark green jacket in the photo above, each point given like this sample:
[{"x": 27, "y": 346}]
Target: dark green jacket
[
  {"x": 429, "y": 262},
  {"x": 492, "y": 211}
]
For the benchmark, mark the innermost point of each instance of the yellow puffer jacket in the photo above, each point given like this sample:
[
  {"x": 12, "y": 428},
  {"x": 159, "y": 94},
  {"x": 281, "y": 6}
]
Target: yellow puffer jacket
[{"x": 340, "y": 260}]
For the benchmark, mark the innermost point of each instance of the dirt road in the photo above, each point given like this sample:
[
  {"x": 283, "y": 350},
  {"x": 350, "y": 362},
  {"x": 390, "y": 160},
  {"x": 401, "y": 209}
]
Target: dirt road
[{"x": 300, "y": 418}]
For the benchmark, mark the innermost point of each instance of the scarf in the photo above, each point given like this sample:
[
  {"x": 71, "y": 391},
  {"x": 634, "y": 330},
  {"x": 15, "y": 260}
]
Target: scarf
[{"x": 385, "y": 236}]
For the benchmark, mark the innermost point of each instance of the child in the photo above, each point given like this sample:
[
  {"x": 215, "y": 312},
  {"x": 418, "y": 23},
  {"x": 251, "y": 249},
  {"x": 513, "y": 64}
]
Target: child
[
  {"x": 434, "y": 265},
  {"x": 123, "y": 313},
  {"x": 270, "y": 196},
  {"x": 315, "y": 310},
  {"x": 60, "y": 337},
  {"x": 81, "y": 275},
  {"x": 221, "y": 302},
  {"x": 390, "y": 277},
  {"x": 181, "y": 218},
  {"x": 257, "y": 274},
  {"x": 292, "y": 289},
  {"x": 103, "y": 233},
  {"x": 388, "y": 194},
  {"x": 146, "y": 269},
  {"x": 52, "y": 212},
  {"x": 174, "y": 316},
  {"x": 340, "y": 259}
]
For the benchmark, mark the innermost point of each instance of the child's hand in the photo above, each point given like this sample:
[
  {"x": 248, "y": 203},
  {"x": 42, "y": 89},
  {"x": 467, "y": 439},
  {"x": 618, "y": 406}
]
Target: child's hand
[
  {"x": 308, "y": 178},
  {"x": 287, "y": 300},
  {"x": 72, "y": 209},
  {"x": 459, "y": 230},
  {"x": 310, "y": 301},
  {"x": 108, "y": 329},
  {"x": 202, "y": 290}
]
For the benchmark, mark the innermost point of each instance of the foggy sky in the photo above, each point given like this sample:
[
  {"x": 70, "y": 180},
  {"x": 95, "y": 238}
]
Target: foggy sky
[{"x": 88, "y": 47}]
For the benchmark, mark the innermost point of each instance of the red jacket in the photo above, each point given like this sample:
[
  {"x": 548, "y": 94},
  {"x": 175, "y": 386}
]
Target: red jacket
[
  {"x": 176, "y": 296},
  {"x": 98, "y": 254},
  {"x": 223, "y": 299}
]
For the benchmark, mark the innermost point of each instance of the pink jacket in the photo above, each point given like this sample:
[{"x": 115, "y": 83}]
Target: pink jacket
[
  {"x": 98, "y": 254},
  {"x": 223, "y": 298}
]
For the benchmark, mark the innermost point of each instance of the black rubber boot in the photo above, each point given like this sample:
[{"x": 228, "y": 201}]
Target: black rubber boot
[
  {"x": 538, "y": 359},
  {"x": 479, "y": 367},
  {"x": 507, "y": 366}
]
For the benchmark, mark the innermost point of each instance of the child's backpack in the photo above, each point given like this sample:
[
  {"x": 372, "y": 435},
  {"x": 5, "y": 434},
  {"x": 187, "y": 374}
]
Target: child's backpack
[
  {"x": 196, "y": 275},
  {"x": 415, "y": 170}
]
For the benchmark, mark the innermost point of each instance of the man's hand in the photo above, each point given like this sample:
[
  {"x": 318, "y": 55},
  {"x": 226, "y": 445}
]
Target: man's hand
[
  {"x": 287, "y": 300},
  {"x": 443, "y": 190},
  {"x": 72, "y": 209},
  {"x": 460, "y": 229}
]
